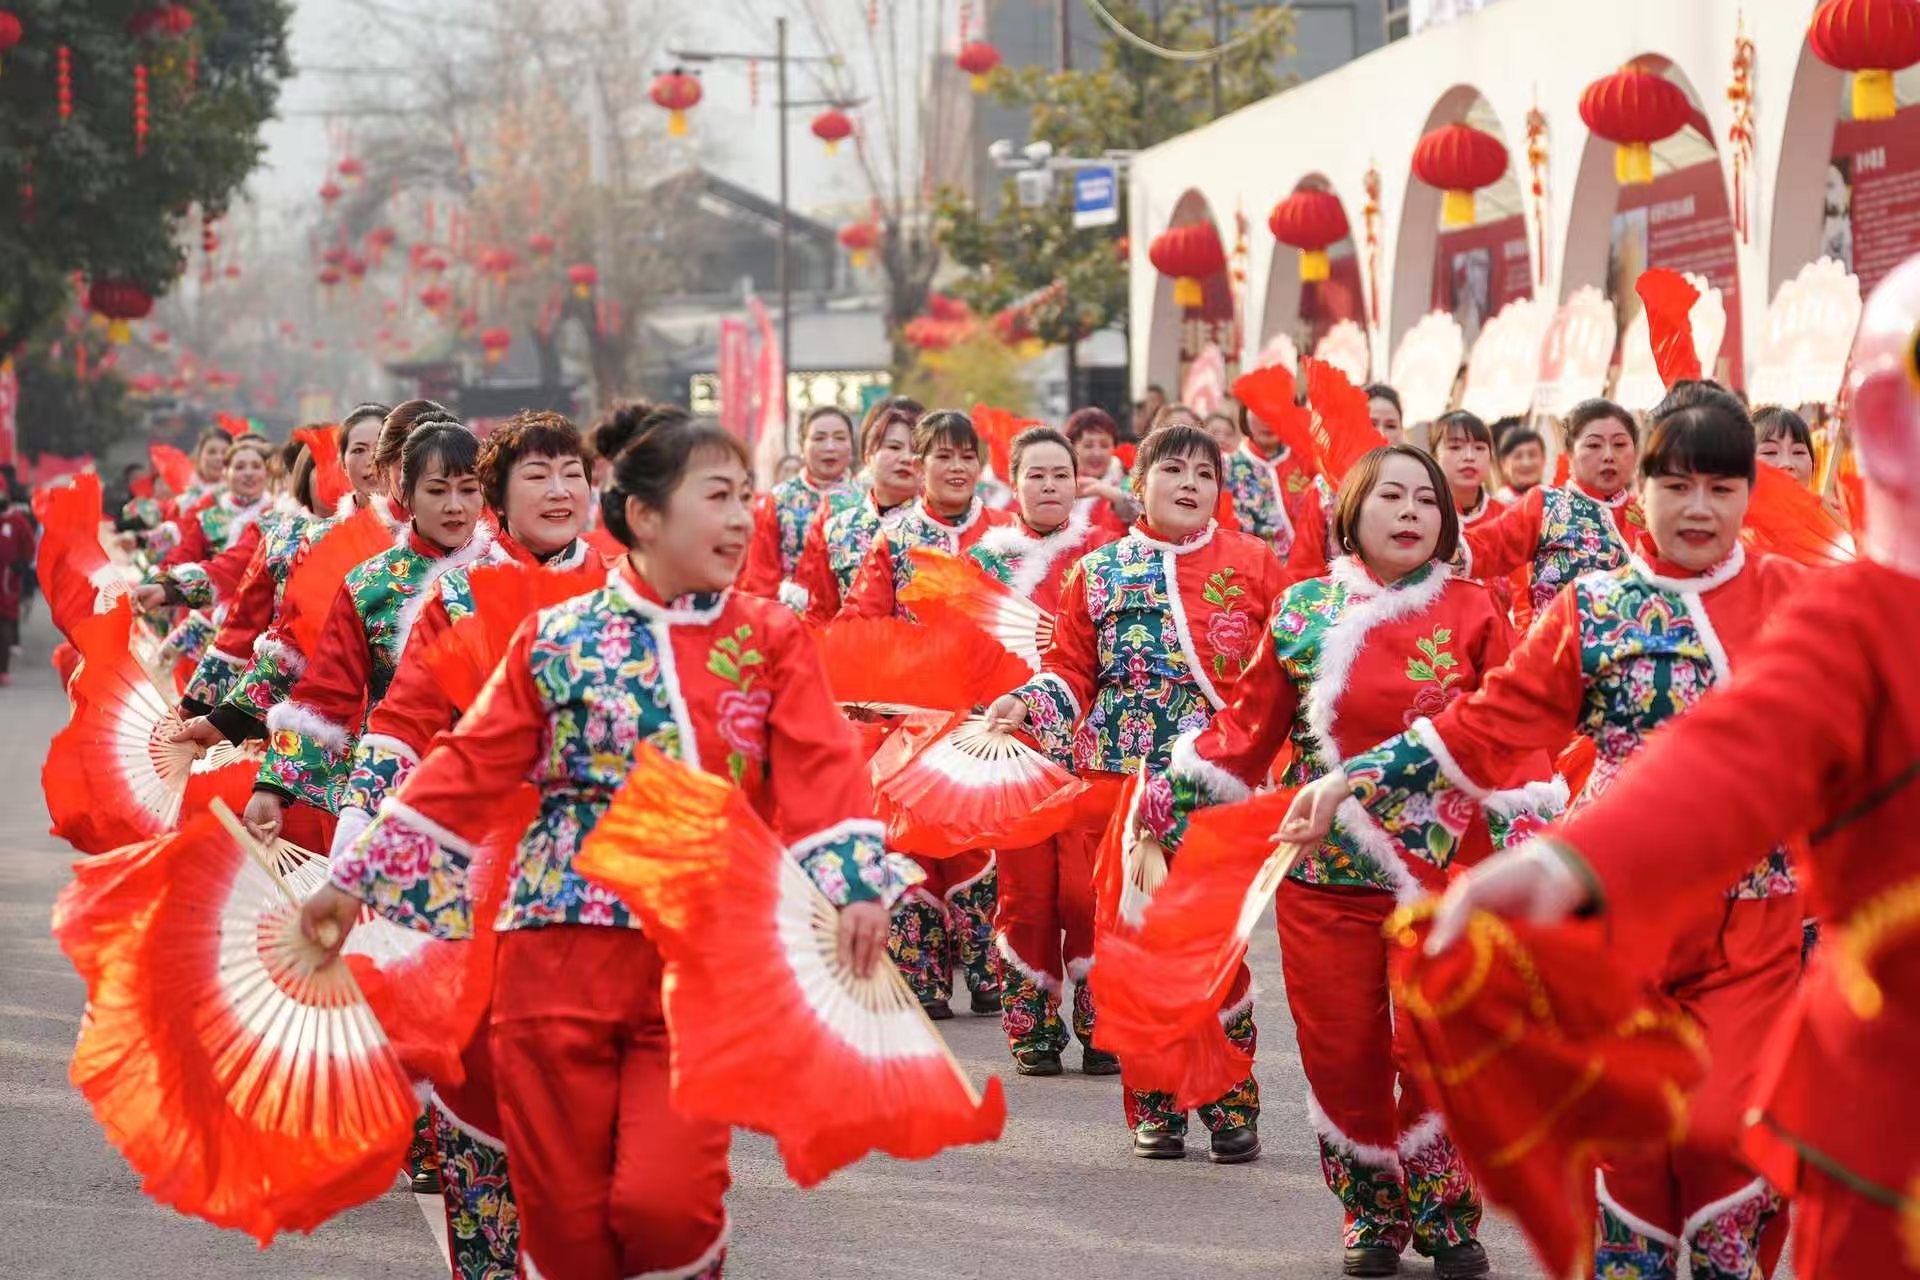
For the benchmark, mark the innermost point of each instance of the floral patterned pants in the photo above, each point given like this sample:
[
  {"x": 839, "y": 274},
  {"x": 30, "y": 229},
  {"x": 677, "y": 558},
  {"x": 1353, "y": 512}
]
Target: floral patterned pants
[
  {"x": 1150, "y": 1111},
  {"x": 946, "y": 923},
  {"x": 483, "y": 1223},
  {"x": 1044, "y": 932}
]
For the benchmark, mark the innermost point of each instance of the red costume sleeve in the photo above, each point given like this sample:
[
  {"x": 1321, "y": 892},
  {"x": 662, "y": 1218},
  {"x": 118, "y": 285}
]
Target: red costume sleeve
[
  {"x": 761, "y": 574},
  {"x": 815, "y": 575},
  {"x": 815, "y": 766},
  {"x": 1509, "y": 540},
  {"x": 1526, "y": 703},
  {"x": 334, "y": 686},
  {"x": 415, "y": 707},
  {"x": 227, "y": 568},
  {"x": 192, "y": 547},
  {"x": 1308, "y": 556},
  {"x": 1245, "y": 738},
  {"x": 251, "y": 608},
  {"x": 871, "y": 595}
]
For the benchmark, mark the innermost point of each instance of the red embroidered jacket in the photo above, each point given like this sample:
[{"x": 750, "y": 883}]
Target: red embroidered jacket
[{"x": 886, "y": 568}]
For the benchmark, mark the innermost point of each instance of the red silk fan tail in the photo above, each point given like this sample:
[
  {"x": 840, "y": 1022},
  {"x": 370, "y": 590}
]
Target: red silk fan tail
[
  {"x": 1669, "y": 301},
  {"x": 330, "y": 482},
  {"x": 504, "y": 595},
  {"x": 942, "y": 667},
  {"x": 1340, "y": 424},
  {"x": 966, "y": 788},
  {"x": 955, "y": 584},
  {"x": 1272, "y": 395},
  {"x": 1785, "y": 518},
  {"x": 315, "y": 581},
  {"x": 174, "y": 467},
  {"x": 997, "y": 428},
  {"x": 830, "y": 1065}
]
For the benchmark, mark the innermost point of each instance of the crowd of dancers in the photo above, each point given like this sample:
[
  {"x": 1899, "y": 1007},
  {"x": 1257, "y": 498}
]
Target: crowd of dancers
[{"x": 1424, "y": 648}]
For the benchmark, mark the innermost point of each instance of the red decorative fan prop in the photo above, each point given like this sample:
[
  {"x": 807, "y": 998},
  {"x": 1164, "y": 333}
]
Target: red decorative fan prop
[
  {"x": 504, "y": 595},
  {"x": 1785, "y": 518},
  {"x": 998, "y": 428},
  {"x": 233, "y": 425},
  {"x": 1575, "y": 763},
  {"x": 315, "y": 581},
  {"x": 958, "y": 585},
  {"x": 895, "y": 666},
  {"x": 831, "y": 1065},
  {"x": 603, "y": 543},
  {"x": 240, "y": 1072},
  {"x": 330, "y": 482},
  {"x": 1669, "y": 301},
  {"x": 958, "y": 785},
  {"x": 1544, "y": 1059},
  {"x": 175, "y": 469},
  {"x": 1340, "y": 424},
  {"x": 78, "y": 574},
  {"x": 1272, "y": 395},
  {"x": 1160, "y": 987}
]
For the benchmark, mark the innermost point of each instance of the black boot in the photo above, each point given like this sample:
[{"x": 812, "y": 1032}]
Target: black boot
[
  {"x": 938, "y": 1010},
  {"x": 1157, "y": 1144},
  {"x": 1238, "y": 1145},
  {"x": 986, "y": 1004},
  {"x": 1463, "y": 1261},
  {"x": 1037, "y": 1062},
  {"x": 1370, "y": 1260},
  {"x": 1098, "y": 1062}
]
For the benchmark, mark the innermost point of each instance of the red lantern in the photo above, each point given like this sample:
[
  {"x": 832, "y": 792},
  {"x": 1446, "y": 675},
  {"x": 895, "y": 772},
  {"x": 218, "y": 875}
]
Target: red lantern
[
  {"x": 679, "y": 93},
  {"x": 584, "y": 276},
  {"x": 433, "y": 264},
  {"x": 1189, "y": 254},
  {"x": 832, "y": 127},
  {"x": 859, "y": 240},
  {"x": 161, "y": 20},
  {"x": 353, "y": 170},
  {"x": 1459, "y": 159},
  {"x": 329, "y": 192},
  {"x": 496, "y": 343},
  {"x": 978, "y": 59},
  {"x": 121, "y": 302},
  {"x": 1873, "y": 39},
  {"x": 10, "y": 30},
  {"x": 356, "y": 268},
  {"x": 1310, "y": 221},
  {"x": 541, "y": 245},
  {"x": 233, "y": 271},
  {"x": 435, "y": 298},
  {"x": 1634, "y": 108},
  {"x": 379, "y": 240},
  {"x": 329, "y": 277}
]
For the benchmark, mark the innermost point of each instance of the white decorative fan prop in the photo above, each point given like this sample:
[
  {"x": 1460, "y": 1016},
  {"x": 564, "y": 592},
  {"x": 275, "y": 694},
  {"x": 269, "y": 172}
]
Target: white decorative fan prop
[
  {"x": 1576, "y": 352},
  {"x": 1425, "y": 365},
  {"x": 1801, "y": 354},
  {"x": 1345, "y": 348},
  {"x": 1279, "y": 350},
  {"x": 1504, "y": 368},
  {"x": 1205, "y": 383}
]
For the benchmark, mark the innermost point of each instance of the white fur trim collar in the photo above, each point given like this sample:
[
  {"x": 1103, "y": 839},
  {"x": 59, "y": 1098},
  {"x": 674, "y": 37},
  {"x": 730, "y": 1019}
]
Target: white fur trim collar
[
  {"x": 1479, "y": 511},
  {"x": 1369, "y": 603},
  {"x": 481, "y": 546},
  {"x": 684, "y": 611},
  {"x": 1177, "y": 606},
  {"x": 1614, "y": 501},
  {"x": 1037, "y": 555},
  {"x": 1718, "y": 576},
  {"x": 1547, "y": 797},
  {"x": 572, "y": 558},
  {"x": 918, "y": 510},
  {"x": 1186, "y": 762},
  {"x": 1139, "y": 534}
]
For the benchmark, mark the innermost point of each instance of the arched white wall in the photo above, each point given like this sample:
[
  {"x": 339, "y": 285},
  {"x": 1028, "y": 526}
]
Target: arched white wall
[
  {"x": 1163, "y": 352},
  {"x": 1282, "y": 306}
]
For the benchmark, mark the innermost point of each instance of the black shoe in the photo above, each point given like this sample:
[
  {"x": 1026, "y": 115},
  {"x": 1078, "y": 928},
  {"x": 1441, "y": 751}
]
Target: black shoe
[
  {"x": 1154, "y": 1144},
  {"x": 938, "y": 1010},
  {"x": 1098, "y": 1062},
  {"x": 986, "y": 1004},
  {"x": 1037, "y": 1062},
  {"x": 1463, "y": 1261},
  {"x": 1370, "y": 1260},
  {"x": 425, "y": 1183},
  {"x": 1238, "y": 1145}
]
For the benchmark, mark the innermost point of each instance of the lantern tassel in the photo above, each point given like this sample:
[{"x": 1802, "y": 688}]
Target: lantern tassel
[
  {"x": 979, "y": 82},
  {"x": 119, "y": 332},
  {"x": 860, "y": 258},
  {"x": 1314, "y": 266},
  {"x": 1456, "y": 209},
  {"x": 582, "y": 291},
  {"x": 1633, "y": 163},
  {"x": 676, "y": 124},
  {"x": 1873, "y": 97},
  {"x": 1187, "y": 293},
  {"x": 833, "y": 145}
]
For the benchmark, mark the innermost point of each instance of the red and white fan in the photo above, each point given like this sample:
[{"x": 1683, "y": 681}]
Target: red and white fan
[
  {"x": 236, "y": 1066},
  {"x": 965, "y": 786},
  {"x": 958, "y": 585},
  {"x": 889, "y": 666},
  {"x": 770, "y": 1030},
  {"x": 78, "y": 574}
]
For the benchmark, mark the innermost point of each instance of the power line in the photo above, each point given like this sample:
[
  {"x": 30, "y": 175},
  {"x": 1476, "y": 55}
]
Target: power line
[{"x": 1120, "y": 29}]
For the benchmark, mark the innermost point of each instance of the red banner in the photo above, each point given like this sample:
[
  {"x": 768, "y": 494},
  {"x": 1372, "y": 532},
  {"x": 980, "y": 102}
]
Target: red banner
[
  {"x": 769, "y": 383},
  {"x": 1478, "y": 270},
  {"x": 736, "y": 385},
  {"x": 1872, "y": 195},
  {"x": 1680, "y": 221},
  {"x": 1326, "y": 303},
  {"x": 9, "y": 411}
]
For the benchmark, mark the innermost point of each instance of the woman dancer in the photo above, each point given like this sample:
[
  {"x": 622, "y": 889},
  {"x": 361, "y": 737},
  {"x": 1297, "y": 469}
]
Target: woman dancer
[
  {"x": 837, "y": 542},
  {"x": 1265, "y": 480},
  {"x": 782, "y": 516},
  {"x": 611, "y": 1180},
  {"x": 1103, "y": 480}
]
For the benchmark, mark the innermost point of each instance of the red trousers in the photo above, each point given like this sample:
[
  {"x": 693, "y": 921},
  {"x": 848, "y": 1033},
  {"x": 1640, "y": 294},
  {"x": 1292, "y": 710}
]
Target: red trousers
[
  {"x": 1046, "y": 905},
  {"x": 611, "y": 1180},
  {"x": 1737, "y": 982},
  {"x": 307, "y": 826}
]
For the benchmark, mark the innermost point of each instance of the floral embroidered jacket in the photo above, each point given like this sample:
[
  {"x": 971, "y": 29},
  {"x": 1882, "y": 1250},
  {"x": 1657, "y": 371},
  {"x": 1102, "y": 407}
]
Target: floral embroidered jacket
[
  {"x": 1264, "y": 492},
  {"x": 310, "y": 734},
  {"x": 1345, "y": 659},
  {"x": 1817, "y": 732},
  {"x": 1616, "y": 655},
  {"x": 1148, "y": 639},
  {"x": 249, "y": 608},
  {"x": 1313, "y": 549},
  {"x": 1036, "y": 565},
  {"x": 728, "y": 683},
  {"x": 1556, "y": 534},
  {"x": 886, "y": 570},
  {"x": 220, "y": 524},
  {"x": 415, "y": 708},
  {"x": 781, "y": 518},
  {"x": 836, "y": 547}
]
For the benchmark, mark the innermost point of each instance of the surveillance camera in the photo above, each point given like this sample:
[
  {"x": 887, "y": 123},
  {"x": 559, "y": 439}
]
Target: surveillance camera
[
  {"x": 1000, "y": 150},
  {"x": 1038, "y": 152}
]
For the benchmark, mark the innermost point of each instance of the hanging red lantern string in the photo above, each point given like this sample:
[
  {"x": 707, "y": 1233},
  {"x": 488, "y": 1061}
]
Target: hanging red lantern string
[
  {"x": 832, "y": 127},
  {"x": 1537, "y": 187},
  {"x": 584, "y": 276},
  {"x": 330, "y": 192},
  {"x": 1312, "y": 222},
  {"x": 541, "y": 245},
  {"x": 140, "y": 111},
  {"x": 11, "y": 31},
  {"x": 121, "y": 302},
  {"x": 379, "y": 240},
  {"x": 63, "y": 82},
  {"x": 679, "y": 93},
  {"x": 1459, "y": 160},
  {"x": 978, "y": 59},
  {"x": 1872, "y": 39},
  {"x": 1371, "y": 214},
  {"x": 859, "y": 239},
  {"x": 329, "y": 278},
  {"x": 1189, "y": 254},
  {"x": 1633, "y": 108},
  {"x": 1740, "y": 133}
]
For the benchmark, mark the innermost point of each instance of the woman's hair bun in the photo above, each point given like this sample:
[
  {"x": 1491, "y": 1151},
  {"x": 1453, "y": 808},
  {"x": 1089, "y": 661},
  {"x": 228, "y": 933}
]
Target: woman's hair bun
[{"x": 618, "y": 427}]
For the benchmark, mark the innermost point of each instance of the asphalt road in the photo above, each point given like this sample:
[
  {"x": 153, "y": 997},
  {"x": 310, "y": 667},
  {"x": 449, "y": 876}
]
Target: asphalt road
[{"x": 1058, "y": 1196}]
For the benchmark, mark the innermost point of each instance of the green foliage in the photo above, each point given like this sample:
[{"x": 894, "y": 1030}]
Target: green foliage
[
  {"x": 981, "y": 369},
  {"x": 60, "y": 413},
  {"x": 1132, "y": 100},
  {"x": 95, "y": 206}
]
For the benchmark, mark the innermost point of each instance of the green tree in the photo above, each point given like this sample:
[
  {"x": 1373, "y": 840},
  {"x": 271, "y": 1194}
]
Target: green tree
[
  {"x": 1133, "y": 99},
  {"x": 62, "y": 412},
  {"x": 74, "y": 195},
  {"x": 980, "y": 369}
]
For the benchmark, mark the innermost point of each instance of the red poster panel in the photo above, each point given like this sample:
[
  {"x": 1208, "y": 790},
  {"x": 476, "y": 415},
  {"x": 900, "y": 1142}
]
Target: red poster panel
[
  {"x": 1872, "y": 196},
  {"x": 1337, "y": 298},
  {"x": 1478, "y": 270},
  {"x": 1680, "y": 221}
]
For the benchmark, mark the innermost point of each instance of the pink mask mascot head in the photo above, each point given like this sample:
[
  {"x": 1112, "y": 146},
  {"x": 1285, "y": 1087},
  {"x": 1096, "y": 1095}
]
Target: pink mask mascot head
[{"x": 1886, "y": 417}]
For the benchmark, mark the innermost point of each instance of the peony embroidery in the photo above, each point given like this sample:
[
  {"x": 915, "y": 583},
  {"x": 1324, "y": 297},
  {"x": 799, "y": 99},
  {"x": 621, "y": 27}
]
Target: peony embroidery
[
  {"x": 742, "y": 709},
  {"x": 1229, "y": 632}
]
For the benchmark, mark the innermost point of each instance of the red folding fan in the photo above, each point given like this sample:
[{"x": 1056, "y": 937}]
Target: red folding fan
[
  {"x": 894, "y": 666},
  {"x": 330, "y": 482},
  {"x": 956, "y": 584},
  {"x": 1341, "y": 426},
  {"x": 1272, "y": 395},
  {"x": 315, "y": 581},
  {"x": 1785, "y": 518},
  {"x": 79, "y": 575},
  {"x": 1160, "y": 987},
  {"x": 237, "y": 1068},
  {"x": 966, "y": 786},
  {"x": 463, "y": 657},
  {"x": 1545, "y": 1059},
  {"x": 998, "y": 428},
  {"x": 175, "y": 469},
  {"x": 831, "y": 1065},
  {"x": 1669, "y": 301}
]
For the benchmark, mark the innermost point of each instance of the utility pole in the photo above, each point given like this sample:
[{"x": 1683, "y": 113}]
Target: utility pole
[{"x": 1066, "y": 298}]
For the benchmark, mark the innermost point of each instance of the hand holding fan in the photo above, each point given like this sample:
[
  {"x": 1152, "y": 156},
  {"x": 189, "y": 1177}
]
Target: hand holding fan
[
  {"x": 956, "y": 584},
  {"x": 971, "y": 787},
  {"x": 769, "y": 1030}
]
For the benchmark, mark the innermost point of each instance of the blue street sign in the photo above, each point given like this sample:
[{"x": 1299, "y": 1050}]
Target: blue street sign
[{"x": 1096, "y": 197}]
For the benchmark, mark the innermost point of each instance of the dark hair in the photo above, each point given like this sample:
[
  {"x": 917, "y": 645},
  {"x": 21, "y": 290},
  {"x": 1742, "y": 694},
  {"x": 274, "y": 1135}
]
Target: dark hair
[
  {"x": 1502, "y": 427},
  {"x": 206, "y": 437},
  {"x": 442, "y": 440},
  {"x": 1699, "y": 429},
  {"x": 400, "y": 423},
  {"x": 652, "y": 461},
  {"x": 1381, "y": 391},
  {"x": 300, "y": 478},
  {"x": 1774, "y": 421},
  {"x": 259, "y": 444},
  {"x": 616, "y": 427},
  {"x": 1175, "y": 415},
  {"x": 1082, "y": 421},
  {"x": 529, "y": 433},
  {"x": 287, "y": 456},
  {"x": 1458, "y": 422},
  {"x": 882, "y": 417},
  {"x": 1155, "y": 389},
  {"x": 1588, "y": 412},
  {"x": 1177, "y": 441},
  {"x": 822, "y": 411},
  {"x": 1360, "y": 482},
  {"x": 944, "y": 426},
  {"x": 1519, "y": 436},
  {"x": 1237, "y": 419},
  {"x": 355, "y": 416},
  {"x": 1040, "y": 435}
]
